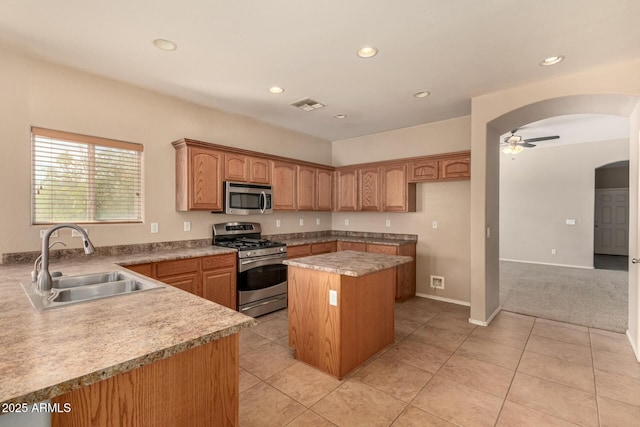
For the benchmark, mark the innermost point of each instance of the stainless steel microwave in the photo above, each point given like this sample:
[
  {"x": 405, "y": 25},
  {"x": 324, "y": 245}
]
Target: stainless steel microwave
[{"x": 241, "y": 198}]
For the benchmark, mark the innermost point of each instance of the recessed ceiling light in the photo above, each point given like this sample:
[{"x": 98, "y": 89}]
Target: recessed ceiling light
[
  {"x": 165, "y": 44},
  {"x": 340, "y": 116},
  {"x": 367, "y": 52},
  {"x": 422, "y": 94},
  {"x": 552, "y": 60},
  {"x": 276, "y": 89}
]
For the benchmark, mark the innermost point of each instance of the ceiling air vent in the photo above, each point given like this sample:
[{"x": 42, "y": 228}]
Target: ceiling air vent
[{"x": 307, "y": 104}]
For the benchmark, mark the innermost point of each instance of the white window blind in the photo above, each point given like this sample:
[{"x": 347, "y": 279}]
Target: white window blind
[{"x": 85, "y": 179}]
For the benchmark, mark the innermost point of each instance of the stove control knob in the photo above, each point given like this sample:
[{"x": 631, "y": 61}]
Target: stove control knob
[
  {"x": 248, "y": 253},
  {"x": 281, "y": 249}
]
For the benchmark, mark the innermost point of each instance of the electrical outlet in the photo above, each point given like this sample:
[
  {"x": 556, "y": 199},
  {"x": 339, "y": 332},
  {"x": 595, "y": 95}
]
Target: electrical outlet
[
  {"x": 346, "y": 222},
  {"x": 317, "y": 221},
  {"x": 74, "y": 233},
  {"x": 437, "y": 282},
  {"x": 570, "y": 221},
  {"x": 54, "y": 234},
  {"x": 278, "y": 223},
  {"x": 333, "y": 298},
  {"x": 434, "y": 225},
  {"x": 553, "y": 252},
  {"x": 301, "y": 222},
  {"x": 154, "y": 227},
  {"x": 187, "y": 226},
  {"x": 388, "y": 223}
]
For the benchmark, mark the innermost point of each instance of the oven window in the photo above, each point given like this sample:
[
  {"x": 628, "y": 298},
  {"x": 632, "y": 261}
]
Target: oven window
[
  {"x": 262, "y": 277},
  {"x": 244, "y": 201}
]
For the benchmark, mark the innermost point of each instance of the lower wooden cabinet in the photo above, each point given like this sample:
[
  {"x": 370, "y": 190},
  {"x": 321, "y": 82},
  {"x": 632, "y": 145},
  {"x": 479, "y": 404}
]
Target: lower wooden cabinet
[
  {"x": 211, "y": 277},
  {"x": 323, "y": 248},
  {"x": 298, "y": 251}
]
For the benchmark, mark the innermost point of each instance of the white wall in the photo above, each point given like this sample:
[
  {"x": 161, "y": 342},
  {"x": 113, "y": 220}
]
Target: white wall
[
  {"x": 539, "y": 189},
  {"x": 42, "y": 94},
  {"x": 443, "y": 251}
]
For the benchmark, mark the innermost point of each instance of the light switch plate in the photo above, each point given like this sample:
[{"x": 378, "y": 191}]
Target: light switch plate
[
  {"x": 301, "y": 221},
  {"x": 154, "y": 227},
  {"x": 44, "y": 230},
  {"x": 346, "y": 222},
  {"x": 317, "y": 221},
  {"x": 187, "y": 226},
  {"x": 278, "y": 223},
  {"x": 333, "y": 298},
  {"x": 388, "y": 223},
  {"x": 434, "y": 225},
  {"x": 74, "y": 233}
]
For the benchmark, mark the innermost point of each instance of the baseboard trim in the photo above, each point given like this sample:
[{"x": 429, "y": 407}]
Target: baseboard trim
[
  {"x": 547, "y": 263},
  {"x": 633, "y": 346},
  {"x": 443, "y": 299},
  {"x": 481, "y": 323}
]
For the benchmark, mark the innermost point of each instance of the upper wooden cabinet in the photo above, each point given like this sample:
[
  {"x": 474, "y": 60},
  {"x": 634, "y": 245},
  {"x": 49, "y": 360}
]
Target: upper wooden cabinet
[
  {"x": 324, "y": 190},
  {"x": 456, "y": 167},
  {"x": 198, "y": 178},
  {"x": 346, "y": 188},
  {"x": 424, "y": 170},
  {"x": 306, "y": 188},
  {"x": 397, "y": 194},
  {"x": 450, "y": 166},
  {"x": 284, "y": 186},
  {"x": 369, "y": 184},
  {"x": 241, "y": 168}
]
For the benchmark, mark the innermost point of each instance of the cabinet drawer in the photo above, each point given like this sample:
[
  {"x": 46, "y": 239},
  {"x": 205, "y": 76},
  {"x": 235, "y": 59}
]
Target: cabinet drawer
[
  {"x": 218, "y": 261},
  {"x": 323, "y": 248},
  {"x": 144, "y": 269},
  {"x": 169, "y": 268},
  {"x": 382, "y": 249},
  {"x": 352, "y": 246},
  {"x": 298, "y": 251}
]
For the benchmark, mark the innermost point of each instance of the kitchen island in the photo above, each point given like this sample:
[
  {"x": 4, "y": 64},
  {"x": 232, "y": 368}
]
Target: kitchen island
[
  {"x": 158, "y": 357},
  {"x": 341, "y": 308}
]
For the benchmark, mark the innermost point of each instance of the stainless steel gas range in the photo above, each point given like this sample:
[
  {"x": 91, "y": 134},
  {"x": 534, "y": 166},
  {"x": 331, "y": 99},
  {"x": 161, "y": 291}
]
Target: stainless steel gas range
[{"x": 261, "y": 275}]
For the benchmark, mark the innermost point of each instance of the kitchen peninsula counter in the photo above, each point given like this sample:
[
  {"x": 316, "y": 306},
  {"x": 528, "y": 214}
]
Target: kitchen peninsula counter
[
  {"x": 341, "y": 308},
  {"x": 48, "y": 353}
]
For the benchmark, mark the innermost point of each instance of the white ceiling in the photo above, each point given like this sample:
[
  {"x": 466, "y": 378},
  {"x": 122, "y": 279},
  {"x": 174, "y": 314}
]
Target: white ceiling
[{"x": 230, "y": 52}]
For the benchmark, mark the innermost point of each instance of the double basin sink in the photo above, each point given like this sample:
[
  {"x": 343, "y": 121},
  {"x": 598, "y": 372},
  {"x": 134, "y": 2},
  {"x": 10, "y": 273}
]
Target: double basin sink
[{"x": 73, "y": 289}]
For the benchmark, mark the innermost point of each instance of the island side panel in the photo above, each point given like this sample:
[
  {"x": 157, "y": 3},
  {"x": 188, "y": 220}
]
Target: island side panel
[
  {"x": 198, "y": 387},
  {"x": 367, "y": 317},
  {"x": 314, "y": 325}
]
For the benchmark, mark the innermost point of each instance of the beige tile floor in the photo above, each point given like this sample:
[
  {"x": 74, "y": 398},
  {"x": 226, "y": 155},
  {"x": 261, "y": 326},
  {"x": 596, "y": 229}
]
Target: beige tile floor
[{"x": 443, "y": 371}]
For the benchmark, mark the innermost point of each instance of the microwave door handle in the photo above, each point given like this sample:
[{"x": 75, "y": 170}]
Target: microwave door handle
[{"x": 263, "y": 202}]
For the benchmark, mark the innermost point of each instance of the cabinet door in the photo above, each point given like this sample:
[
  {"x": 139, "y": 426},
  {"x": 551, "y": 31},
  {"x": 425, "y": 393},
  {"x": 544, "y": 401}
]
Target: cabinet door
[
  {"x": 298, "y": 251},
  {"x": 144, "y": 269},
  {"x": 397, "y": 194},
  {"x": 205, "y": 173},
  {"x": 406, "y": 277},
  {"x": 346, "y": 190},
  {"x": 382, "y": 249},
  {"x": 236, "y": 167},
  {"x": 352, "y": 246},
  {"x": 424, "y": 170},
  {"x": 369, "y": 180},
  {"x": 187, "y": 282},
  {"x": 306, "y": 188},
  {"x": 259, "y": 170},
  {"x": 284, "y": 186},
  {"x": 324, "y": 190},
  {"x": 219, "y": 286},
  {"x": 458, "y": 167},
  {"x": 323, "y": 248}
]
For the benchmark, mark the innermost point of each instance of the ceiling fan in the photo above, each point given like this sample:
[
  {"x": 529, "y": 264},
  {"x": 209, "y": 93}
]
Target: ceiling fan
[{"x": 515, "y": 144}]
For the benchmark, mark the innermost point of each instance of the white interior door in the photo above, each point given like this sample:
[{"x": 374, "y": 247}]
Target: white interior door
[{"x": 611, "y": 232}]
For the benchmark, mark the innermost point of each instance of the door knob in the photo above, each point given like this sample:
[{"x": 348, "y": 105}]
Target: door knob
[{"x": 635, "y": 260}]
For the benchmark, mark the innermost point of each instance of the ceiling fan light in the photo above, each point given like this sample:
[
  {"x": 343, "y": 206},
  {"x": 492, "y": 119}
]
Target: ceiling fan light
[{"x": 513, "y": 149}]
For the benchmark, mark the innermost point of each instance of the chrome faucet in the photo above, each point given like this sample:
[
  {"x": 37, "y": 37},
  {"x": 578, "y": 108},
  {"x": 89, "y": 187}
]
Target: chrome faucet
[
  {"x": 45, "y": 282},
  {"x": 38, "y": 263}
]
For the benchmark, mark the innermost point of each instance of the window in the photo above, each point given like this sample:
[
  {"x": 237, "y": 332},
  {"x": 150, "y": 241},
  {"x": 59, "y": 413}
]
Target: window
[{"x": 78, "y": 178}]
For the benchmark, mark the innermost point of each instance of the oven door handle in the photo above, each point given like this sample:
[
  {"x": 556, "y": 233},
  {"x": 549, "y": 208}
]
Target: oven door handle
[
  {"x": 247, "y": 264},
  {"x": 269, "y": 301},
  {"x": 263, "y": 202}
]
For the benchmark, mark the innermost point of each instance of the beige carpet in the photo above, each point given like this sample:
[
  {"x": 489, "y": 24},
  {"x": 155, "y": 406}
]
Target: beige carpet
[{"x": 594, "y": 298}]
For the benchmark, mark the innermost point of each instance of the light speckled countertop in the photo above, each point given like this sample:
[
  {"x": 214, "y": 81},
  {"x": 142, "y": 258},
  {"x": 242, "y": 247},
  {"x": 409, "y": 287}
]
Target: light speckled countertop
[
  {"x": 321, "y": 239},
  {"x": 349, "y": 263},
  {"x": 47, "y": 353}
]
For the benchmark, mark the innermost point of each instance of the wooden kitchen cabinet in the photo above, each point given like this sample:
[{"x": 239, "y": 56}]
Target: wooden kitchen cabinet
[
  {"x": 144, "y": 269},
  {"x": 324, "y": 190},
  {"x": 455, "y": 167},
  {"x": 306, "y": 188},
  {"x": 346, "y": 189},
  {"x": 242, "y": 168},
  {"x": 397, "y": 194},
  {"x": 351, "y": 246},
  {"x": 259, "y": 170},
  {"x": 219, "y": 279},
  {"x": 298, "y": 251},
  {"x": 284, "y": 186},
  {"x": 198, "y": 178},
  {"x": 323, "y": 248},
  {"x": 405, "y": 275},
  {"x": 369, "y": 184},
  {"x": 423, "y": 170},
  {"x": 183, "y": 274}
]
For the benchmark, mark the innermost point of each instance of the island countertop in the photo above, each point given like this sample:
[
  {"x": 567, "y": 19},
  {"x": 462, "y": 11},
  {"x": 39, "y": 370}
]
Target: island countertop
[
  {"x": 349, "y": 263},
  {"x": 44, "y": 354}
]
